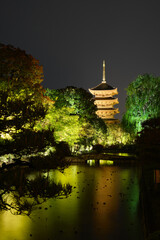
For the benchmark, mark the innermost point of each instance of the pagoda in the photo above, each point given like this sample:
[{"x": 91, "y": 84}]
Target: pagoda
[{"x": 104, "y": 100}]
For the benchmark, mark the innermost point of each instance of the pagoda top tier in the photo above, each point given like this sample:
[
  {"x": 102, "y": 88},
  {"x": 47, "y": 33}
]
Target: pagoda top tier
[{"x": 103, "y": 85}]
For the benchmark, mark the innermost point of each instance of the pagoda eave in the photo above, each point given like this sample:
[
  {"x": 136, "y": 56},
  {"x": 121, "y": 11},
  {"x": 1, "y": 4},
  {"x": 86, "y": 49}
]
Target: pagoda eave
[
  {"x": 102, "y": 93},
  {"x": 115, "y": 110},
  {"x": 106, "y": 101}
]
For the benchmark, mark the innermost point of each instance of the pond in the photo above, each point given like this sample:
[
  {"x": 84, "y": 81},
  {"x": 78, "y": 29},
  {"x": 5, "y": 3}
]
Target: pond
[{"x": 103, "y": 204}]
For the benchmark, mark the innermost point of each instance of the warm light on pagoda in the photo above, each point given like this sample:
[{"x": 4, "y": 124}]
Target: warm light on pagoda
[{"x": 104, "y": 100}]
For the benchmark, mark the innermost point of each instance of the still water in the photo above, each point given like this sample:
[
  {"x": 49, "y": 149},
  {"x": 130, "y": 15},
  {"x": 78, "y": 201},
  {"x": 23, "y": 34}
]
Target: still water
[{"x": 103, "y": 204}]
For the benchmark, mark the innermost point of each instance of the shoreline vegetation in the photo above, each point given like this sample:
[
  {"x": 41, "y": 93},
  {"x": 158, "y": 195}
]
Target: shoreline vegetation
[
  {"x": 54, "y": 161},
  {"x": 62, "y": 156},
  {"x": 39, "y": 162}
]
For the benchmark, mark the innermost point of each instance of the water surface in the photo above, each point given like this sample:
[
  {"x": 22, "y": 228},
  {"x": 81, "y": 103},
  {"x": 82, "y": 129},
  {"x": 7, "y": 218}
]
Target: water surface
[{"x": 104, "y": 204}]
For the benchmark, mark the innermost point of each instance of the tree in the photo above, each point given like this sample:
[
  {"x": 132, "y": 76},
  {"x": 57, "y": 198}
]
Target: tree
[
  {"x": 21, "y": 97},
  {"x": 76, "y": 98},
  {"x": 81, "y": 103},
  {"x": 117, "y": 136},
  {"x": 19, "y": 69},
  {"x": 76, "y": 104},
  {"x": 142, "y": 102},
  {"x": 66, "y": 125},
  {"x": 22, "y": 103},
  {"x": 148, "y": 141}
]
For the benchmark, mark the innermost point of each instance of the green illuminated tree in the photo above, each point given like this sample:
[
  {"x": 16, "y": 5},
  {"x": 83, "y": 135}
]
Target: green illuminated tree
[
  {"x": 117, "y": 136},
  {"x": 66, "y": 125},
  {"x": 76, "y": 98},
  {"x": 70, "y": 128},
  {"x": 81, "y": 103},
  {"x": 142, "y": 102},
  {"x": 78, "y": 105}
]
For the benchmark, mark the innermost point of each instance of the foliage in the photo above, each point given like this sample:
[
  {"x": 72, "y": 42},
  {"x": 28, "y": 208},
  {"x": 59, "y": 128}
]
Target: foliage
[
  {"x": 117, "y": 135},
  {"x": 18, "y": 114},
  {"x": 66, "y": 126},
  {"x": 66, "y": 151},
  {"x": 76, "y": 98},
  {"x": 98, "y": 148},
  {"x": 20, "y": 90},
  {"x": 19, "y": 69},
  {"x": 81, "y": 103},
  {"x": 29, "y": 143},
  {"x": 73, "y": 118},
  {"x": 148, "y": 140},
  {"x": 142, "y": 102}
]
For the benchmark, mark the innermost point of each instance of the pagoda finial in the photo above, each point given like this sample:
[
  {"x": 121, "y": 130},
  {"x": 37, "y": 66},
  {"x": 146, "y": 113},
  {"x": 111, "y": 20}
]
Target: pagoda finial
[{"x": 104, "y": 73}]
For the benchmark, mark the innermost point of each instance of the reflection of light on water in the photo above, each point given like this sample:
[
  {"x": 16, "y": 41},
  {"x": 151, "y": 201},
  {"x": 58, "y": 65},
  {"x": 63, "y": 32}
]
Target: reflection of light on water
[
  {"x": 124, "y": 154},
  {"x": 125, "y": 174},
  {"x": 130, "y": 186},
  {"x": 69, "y": 175},
  {"x": 106, "y": 162},
  {"x": 10, "y": 222},
  {"x": 121, "y": 154},
  {"x": 91, "y": 162},
  {"x": 103, "y": 202},
  {"x": 100, "y": 162}
]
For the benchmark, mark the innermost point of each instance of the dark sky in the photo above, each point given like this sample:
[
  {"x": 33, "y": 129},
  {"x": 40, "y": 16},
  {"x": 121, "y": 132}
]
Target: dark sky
[{"x": 71, "y": 39}]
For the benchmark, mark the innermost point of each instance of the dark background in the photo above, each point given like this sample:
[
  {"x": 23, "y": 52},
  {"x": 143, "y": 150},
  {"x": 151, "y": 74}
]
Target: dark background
[{"x": 71, "y": 39}]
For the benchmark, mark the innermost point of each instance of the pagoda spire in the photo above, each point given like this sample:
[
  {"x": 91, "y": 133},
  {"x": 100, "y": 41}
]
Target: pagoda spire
[{"x": 104, "y": 72}]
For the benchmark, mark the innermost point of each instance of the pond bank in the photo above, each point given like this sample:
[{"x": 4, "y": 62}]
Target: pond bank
[{"x": 55, "y": 161}]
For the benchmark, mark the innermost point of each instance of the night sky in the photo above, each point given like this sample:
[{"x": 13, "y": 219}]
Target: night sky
[{"x": 71, "y": 39}]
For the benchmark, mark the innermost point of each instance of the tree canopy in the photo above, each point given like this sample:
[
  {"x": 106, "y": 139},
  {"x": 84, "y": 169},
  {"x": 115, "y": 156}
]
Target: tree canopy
[
  {"x": 80, "y": 101},
  {"x": 20, "y": 89},
  {"x": 76, "y": 98},
  {"x": 74, "y": 119},
  {"x": 22, "y": 103},
  {"x": 19, "y": 69},
  {"x": 66, "y": 126},
  {"x": 142, "y": 103}
]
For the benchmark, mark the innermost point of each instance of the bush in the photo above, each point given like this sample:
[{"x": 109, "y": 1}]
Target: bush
[{"x": 98, "y": 148}]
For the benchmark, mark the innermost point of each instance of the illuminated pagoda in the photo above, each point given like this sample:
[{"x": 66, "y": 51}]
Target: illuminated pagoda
[{"x": 104, "y": 100}]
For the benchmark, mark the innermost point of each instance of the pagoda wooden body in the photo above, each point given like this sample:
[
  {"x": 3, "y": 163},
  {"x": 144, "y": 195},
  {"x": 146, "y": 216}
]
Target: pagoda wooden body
[{"x": 104, "y": 100}]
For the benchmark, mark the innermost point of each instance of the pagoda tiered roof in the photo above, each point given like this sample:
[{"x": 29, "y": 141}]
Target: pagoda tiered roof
[
  {"x": 103, "y": 86},
  {"x": 104, "y": 100}
]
